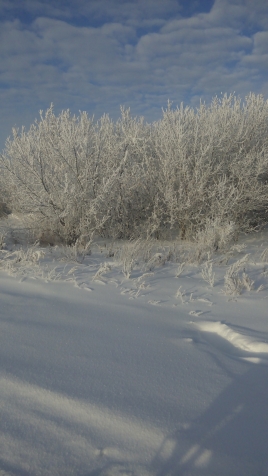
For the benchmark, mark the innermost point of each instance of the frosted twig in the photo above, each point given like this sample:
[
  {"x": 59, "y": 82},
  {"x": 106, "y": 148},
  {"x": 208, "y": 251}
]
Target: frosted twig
[
  {"x": 180, "y": 269},
  {"x": 180, "y": 294},
  {"x": 104, "y": 268},
  {"x": 207, "y": 274}
]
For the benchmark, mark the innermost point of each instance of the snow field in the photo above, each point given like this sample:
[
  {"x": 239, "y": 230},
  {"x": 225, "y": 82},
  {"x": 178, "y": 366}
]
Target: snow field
[{"x": 133, "y": 360}]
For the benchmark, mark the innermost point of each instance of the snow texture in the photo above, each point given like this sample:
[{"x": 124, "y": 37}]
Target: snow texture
[{"x": 149, "y": 372}]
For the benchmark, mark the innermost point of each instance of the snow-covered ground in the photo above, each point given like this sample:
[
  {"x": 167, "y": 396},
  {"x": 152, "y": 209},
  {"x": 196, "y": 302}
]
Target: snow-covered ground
[{"x": 115, "y": 367}]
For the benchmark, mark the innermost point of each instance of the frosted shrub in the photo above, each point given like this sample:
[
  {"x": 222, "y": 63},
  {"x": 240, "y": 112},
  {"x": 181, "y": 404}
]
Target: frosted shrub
[
  {"x": 214, "y": 235},
  {"x": 233, "y": 282},
  {"x": 212, "y": 164},
  {"x": 158, "y": 259},
  {"x": 104, "y": 268},
  {"x": 128, "y": 256},
  {"x": 199, "y": 174},
  {"x": 18, "y": 261},
  {"x": 264, "y": 255},
  {"x": 75, "y": 252},
  {"x": 31, "y": 255},
  {"x": 69, "y": 177},
  {"x": 207, "y": 274},
  {"x": 247, "y": 282},
  {"x": 180, "y": 269},
  {"x": 133, "y": 252}
]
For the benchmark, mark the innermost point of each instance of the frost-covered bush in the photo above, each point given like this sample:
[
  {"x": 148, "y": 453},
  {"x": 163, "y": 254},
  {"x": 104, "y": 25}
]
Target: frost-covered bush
[
  {"x": 233, "y": 282},
  {"x": 212, "y": 163},
  {"x": 71, "y": 177},
  {"x": 213, "y": 236}
]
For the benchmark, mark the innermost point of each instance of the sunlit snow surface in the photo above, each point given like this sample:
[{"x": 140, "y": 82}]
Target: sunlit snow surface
[{"x": 154, "y": 375}]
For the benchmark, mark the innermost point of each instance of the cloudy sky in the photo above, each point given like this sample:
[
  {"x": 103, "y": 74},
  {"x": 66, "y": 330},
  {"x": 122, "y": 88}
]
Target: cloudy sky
[{"x": 95, "y": 55}]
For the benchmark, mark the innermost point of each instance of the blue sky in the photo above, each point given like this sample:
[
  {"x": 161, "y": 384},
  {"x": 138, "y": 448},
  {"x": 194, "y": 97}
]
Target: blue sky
[{"x": 95, "y": 55}]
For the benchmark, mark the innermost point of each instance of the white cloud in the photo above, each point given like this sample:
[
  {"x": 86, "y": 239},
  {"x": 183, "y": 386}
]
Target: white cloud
[
  {"x": 97, "y": 68},
  {"x": 261, "y": 43},
  {"x": 240, "y": 13}
]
